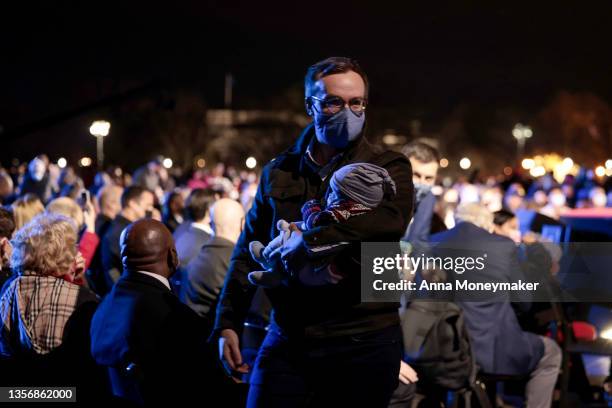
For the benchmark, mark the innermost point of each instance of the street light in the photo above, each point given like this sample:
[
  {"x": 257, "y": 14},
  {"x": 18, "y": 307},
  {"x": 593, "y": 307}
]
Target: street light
[
  {"x": 100, "y": 129},
  {"x": 167, "y": 163},
  {"x": 251, "y": 162},
  {"x": 521, "y": 134},
  {"x": 465, "y": 163}
]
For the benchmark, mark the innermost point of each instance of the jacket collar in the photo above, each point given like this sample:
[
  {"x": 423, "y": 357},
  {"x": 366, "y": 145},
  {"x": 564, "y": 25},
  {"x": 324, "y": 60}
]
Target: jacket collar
[
  {"x": 298, "y": 150},
  {"x": 142, "y": 278}
]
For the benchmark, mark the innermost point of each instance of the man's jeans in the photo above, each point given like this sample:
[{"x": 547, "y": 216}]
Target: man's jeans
[
  {"x": 541, "y": 384},
  {"x": 360, "y": 370}
]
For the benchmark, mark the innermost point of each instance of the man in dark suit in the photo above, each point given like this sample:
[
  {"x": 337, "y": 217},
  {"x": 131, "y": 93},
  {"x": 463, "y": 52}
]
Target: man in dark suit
[
  {"x": 192, "y": 234},
  {"x": 499, "y": 343},
  {"x": 135, "y": 202},
  {"x": 153, "y": 345},
  {"x": 205, "y": 274},
  {"x": 424, "y": 160}
]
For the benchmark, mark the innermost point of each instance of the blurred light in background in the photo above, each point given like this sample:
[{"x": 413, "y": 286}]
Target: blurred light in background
[
  {"x": 521, "y": 132},
  {"x": 600, "y": 171},
  {"x": 251, "y": 162},
  {"x": 528, "y": 164},
  {"x": 62, "y": 162},
  {"x": 609, "y": 164},
  {"x": 465, "y": 163},
  {"x": 99, "y": 128},
  {"x": 167, "y": 163},
  {"x": 444, "y": 162},
  {"x": 390, "y": 139},
  {"x": 537, "y": 171},
  {"x": 606, "y": 333},
  {"x": 85, "y": 161},
  {"x": 200, "y": 163},
  {"x": 508, "y": 170},
  {"x": 437, "y": 190}
]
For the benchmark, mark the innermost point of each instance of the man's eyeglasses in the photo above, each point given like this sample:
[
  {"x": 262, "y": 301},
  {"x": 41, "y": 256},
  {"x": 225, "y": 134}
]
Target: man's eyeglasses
[{"x": 331, "y": 105}]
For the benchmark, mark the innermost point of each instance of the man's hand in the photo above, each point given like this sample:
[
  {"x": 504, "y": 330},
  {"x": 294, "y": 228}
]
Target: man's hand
[
  {"x": 6, "y": 251},
  {"x": 155, "y": 214},
  {"x": 407, "y": 375},
  {"x": 229, "y": 353},
  {"x": 293, "y": 251},
  {"x": 272, "y": 250},
  {"x": 79, "y": 265}
]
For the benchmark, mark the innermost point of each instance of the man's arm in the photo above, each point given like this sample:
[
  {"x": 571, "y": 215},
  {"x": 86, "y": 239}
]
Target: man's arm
[
  {"x": 387, "y": 222},
  {"x": 237, "y": 293}
]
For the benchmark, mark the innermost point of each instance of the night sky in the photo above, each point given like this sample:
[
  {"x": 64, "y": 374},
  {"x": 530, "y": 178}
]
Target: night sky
[{"x": 60, "y": 59}]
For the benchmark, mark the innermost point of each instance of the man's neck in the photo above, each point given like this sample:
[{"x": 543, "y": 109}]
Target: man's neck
[
  {"x": 323, "y": 153},
  {"x": 109, "y": 214},
  {"x": 128, "y": 215},
  {"x": 228, "y": 235}
]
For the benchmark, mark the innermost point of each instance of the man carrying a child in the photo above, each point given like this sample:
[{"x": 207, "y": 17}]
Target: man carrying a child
[{"x": 325, "y": 195}]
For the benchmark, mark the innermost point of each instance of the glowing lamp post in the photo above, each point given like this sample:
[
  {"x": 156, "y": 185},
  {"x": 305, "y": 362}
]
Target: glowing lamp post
[
  {"x": 521, "y": 134},
  {"x": 100, "y": 129}
]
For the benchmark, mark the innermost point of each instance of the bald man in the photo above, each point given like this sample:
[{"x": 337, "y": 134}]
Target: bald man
[
  {"x": 146, "y": 337},
  {"x": 204, "y": 276}
]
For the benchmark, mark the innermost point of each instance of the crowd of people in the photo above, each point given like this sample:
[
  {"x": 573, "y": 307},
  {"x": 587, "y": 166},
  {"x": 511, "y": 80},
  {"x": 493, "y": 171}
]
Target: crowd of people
[{"x": 123, "y": 286}]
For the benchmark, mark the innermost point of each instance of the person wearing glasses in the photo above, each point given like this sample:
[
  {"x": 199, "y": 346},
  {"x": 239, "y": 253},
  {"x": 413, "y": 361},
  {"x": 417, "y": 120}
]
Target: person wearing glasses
[{"x": 324, "y": 347}]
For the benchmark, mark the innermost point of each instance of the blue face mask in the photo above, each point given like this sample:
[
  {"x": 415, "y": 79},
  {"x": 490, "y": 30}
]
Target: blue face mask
[
  {"x": 340, "y": 129},
  {"x": 420, "y": 191}
]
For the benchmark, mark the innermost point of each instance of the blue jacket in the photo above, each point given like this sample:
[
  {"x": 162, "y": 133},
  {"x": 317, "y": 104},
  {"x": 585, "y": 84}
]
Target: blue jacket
[
  {"x": 499, "y": 343},
  {"x": 418, "y": 230}
]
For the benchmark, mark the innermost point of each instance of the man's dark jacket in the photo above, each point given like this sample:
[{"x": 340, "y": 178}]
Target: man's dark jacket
[
  {"x": 111, "y": 251},
  {"x": 142, "y": 322},
  {"x": 203, "y": 277},
  {"x": 418, "y": 231},
  {"x": 332, "y": 310},
  {"x": 189, "y": 243},
  {"x": 499, "y": 343}
]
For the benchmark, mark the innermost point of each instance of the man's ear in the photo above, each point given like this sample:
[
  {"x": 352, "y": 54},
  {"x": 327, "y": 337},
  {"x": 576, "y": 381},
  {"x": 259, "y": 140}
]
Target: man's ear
[
  {"x": 173, "y": 261},
  {"x": 308, "y": 104}
]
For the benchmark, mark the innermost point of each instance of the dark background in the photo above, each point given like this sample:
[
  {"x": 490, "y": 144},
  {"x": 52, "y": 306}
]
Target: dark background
[{"x": 460, "y": 73}]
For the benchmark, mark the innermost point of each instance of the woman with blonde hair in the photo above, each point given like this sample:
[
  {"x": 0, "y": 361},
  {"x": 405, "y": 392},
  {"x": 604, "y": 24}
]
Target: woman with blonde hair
[
  {"x": 36, "y": 305},
  {"x": 26, "y": 208},
  {"x": 45, "y": 318}
]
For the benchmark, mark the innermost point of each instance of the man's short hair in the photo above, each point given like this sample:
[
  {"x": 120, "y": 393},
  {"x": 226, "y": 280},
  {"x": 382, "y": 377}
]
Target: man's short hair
[
  {"x": 198, "y": 203},
  {"x": 500, "y": 217},
  {"x": 7, "y": 223},
  {"x": 132, "y": 193},
  {"x": 330, "y": 66},
  {"x": 422, "y": 152}
]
